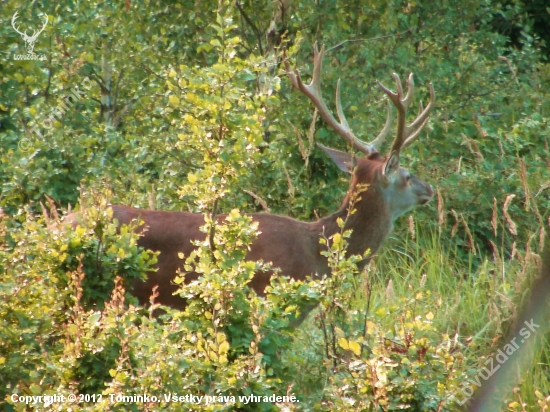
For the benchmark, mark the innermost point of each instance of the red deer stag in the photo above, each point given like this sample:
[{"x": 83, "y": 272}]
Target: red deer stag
[{"x": 291, "y": 245}]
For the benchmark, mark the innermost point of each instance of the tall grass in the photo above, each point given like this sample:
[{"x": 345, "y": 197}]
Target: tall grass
[{"x": 473, "y": 302}]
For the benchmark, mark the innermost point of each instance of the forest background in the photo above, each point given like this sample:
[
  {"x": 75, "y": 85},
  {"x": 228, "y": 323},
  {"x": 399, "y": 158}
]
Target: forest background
[{"x": 186, "y": 105}]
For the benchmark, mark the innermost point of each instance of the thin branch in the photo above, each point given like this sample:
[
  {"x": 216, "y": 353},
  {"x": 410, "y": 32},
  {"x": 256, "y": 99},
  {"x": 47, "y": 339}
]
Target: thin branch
[
  {"x": 47, "y": 91},
  {"x": 118, "y": 117},
  {"x": 259, "y": 199},
  {"x": 251, "y": 24},
  {"x": 505, "y": 60},
  {"x": 98, "y": 80},
  {"x": 213, "y": 230},
  {"x": 371, "y": 39},
  {"x": 115, "y": 95}
]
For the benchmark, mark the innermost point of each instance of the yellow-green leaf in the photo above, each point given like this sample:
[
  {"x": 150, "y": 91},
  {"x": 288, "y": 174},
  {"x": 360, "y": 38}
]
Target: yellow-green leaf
[
  {"x": 35, "y": 389},
  {"x": 343, "y": 343},
  {"x": 223, "y": 348},
  {"x": 355, "y": 347},
  {"x": 173, "y": 100}
]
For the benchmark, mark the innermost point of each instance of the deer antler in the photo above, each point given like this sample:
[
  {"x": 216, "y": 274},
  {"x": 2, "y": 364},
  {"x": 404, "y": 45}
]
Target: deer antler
[
  {"x": 313, "y": 92},
  {"x": 13, "y": 19},
  {"x": 407, "y": 134},
  {"x": 35, "y": 32}
]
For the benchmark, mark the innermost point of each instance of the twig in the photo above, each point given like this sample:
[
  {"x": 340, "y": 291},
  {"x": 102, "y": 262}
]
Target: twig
[
  {"x": 115, "y": 94},
  {"x": 371, "y": 39},
  {"x": 505, "y": 60},
  {"x": 259, "y": 199},
  {"x": 251, "y": 24},
  {"x": 213, "y": 230}
]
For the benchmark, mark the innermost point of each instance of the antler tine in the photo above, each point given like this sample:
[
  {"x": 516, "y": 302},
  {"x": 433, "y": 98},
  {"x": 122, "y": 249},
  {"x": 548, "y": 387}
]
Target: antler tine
[
  {"x": 414, "y": 129},
  {"x": 410, "y": 91},
  {"x": 317, "y": 65},
  {"x": 407, "y": 134},
  {"x": 401, "y": 111},
  {"x": 379, "y": 140},
  {"x": 339, "y": 110},
  {"x": 398, "y": 84},
  {"x": 313, "y": 92},
  {"x": 394, "y": 97},
  {"x": 415, "y": 135},
  {"x": 412, "y": 137}
]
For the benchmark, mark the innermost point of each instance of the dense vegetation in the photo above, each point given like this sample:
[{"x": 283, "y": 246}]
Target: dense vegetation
[{"x": 187, "y": 107}]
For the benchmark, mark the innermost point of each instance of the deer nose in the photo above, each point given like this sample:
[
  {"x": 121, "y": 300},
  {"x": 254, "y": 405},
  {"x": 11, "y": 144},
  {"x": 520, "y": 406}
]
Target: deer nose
[{"x": 427, "y": 196}]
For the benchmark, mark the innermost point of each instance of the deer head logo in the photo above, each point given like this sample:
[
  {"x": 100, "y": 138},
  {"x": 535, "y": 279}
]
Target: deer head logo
[{"x": 29, "y": 40}]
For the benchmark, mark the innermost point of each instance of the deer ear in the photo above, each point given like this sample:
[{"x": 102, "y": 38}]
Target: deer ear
[
  {"x": 344, "y": 161},
  {"x": 392, "y": 164}
]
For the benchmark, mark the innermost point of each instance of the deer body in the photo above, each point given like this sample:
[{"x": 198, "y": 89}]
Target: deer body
[{"x": 291, "y": 245}]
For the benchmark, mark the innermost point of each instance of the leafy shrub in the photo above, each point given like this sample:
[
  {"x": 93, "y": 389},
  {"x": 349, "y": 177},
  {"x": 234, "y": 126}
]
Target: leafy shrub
[{"x": 44, "y": 282}]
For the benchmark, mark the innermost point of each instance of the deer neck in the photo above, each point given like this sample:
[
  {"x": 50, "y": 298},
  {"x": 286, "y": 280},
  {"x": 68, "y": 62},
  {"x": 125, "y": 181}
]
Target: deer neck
[{"x": 370, "y": 224}]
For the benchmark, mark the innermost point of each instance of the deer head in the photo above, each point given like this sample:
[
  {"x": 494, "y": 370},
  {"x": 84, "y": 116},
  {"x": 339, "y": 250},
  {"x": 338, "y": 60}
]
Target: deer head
[
  {"x": 29, "y": 40},
  {"x": 392, "y": 187}
]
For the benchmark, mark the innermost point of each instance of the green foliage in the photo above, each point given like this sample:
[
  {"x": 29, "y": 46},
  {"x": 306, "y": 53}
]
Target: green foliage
[
  {"x": 186, "y": 106},
  {"x": 220, "y": 296},
  {"x": 104, "y": 251},
  {"x": 32, "y": 306},
  {"x": 51, "y": 276},
  {"x": 408, "y": 368},
  {"x": 372, "y": 367},
  {"x": 217, "y": 118}
]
